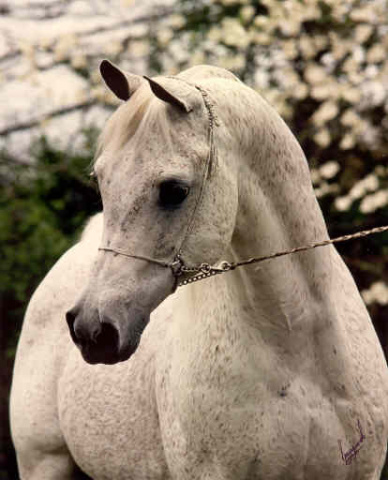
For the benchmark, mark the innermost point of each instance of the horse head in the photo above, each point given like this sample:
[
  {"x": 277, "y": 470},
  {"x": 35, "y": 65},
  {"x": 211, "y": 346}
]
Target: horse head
[{"x": 165, "y": 191}]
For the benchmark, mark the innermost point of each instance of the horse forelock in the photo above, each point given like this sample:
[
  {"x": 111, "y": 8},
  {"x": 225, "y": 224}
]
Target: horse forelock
[{"x": 124, "y": 122}]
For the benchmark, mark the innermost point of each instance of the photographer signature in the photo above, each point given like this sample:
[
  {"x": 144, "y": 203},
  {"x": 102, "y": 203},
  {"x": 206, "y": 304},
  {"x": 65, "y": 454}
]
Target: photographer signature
[{"x": 348, "y": 456}]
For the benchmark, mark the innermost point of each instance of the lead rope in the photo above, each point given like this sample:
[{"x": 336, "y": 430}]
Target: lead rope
[{"x": 205, "y": 270}]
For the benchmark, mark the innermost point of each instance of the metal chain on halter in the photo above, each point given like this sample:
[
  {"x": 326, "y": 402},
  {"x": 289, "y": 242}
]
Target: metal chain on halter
[{"x": 205, "y": 270}]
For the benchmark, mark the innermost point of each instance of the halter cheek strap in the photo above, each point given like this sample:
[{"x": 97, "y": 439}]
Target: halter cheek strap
[
  {"x": 140, "y": 257},
  {"x": 177, "y": 266}
]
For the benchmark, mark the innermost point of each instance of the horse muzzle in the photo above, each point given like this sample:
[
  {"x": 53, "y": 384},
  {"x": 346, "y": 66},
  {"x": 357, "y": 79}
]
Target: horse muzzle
[{"x": 100, "y": 339}]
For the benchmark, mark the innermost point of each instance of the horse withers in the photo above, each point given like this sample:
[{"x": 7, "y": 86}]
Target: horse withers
[{"x": 258, "y": 373}]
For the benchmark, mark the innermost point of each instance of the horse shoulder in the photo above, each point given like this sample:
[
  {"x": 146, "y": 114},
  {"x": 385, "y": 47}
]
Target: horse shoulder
[{"x": 43, "y": 346}]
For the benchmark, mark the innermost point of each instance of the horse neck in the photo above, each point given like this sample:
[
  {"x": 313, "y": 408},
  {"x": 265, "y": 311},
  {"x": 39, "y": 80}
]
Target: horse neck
[{"x": 277, "y": 211}]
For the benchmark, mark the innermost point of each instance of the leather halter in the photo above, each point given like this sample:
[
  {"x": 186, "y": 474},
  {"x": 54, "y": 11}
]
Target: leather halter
[{"x": 177, "y": 265}]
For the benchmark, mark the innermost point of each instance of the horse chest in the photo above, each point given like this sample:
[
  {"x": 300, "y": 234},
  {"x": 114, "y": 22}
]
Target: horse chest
[
  {"x": 240, "y": 426},
  {"x": 109, "y": 418}
]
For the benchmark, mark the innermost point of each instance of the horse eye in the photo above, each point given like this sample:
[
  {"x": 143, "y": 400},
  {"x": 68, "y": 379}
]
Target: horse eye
[{"x": 172, "y": 193}]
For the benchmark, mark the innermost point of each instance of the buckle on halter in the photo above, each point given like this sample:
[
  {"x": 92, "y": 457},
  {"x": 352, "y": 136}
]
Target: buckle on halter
[
  {"x": 226, "y": 266},
  {"x": 176, "y": 266},
  {"x": 205, "y": 268}
]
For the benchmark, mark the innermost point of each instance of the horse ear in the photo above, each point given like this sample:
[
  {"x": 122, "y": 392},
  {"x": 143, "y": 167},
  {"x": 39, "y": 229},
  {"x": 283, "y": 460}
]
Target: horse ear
[
  {"x": 122, "y": 84},
  {"x": 174, "y": 92}
]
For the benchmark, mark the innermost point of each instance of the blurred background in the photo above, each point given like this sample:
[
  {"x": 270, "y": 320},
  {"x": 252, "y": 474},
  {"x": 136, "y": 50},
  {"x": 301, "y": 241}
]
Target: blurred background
[{"x": 322, "y": 64}]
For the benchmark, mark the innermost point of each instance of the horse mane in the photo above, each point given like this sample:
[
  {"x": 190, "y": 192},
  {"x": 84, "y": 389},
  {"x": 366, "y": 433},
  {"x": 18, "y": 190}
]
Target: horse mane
[{"x": 125, "y": 121}]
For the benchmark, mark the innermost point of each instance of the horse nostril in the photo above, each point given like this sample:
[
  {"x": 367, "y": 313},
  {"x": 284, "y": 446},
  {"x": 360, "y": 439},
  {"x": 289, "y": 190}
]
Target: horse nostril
[
  {"x": 107, "y": 339},
  {"x": 81, "y": 331},
  {"x": 99, "y": 342},
  {"x": 70, "y": 319}
]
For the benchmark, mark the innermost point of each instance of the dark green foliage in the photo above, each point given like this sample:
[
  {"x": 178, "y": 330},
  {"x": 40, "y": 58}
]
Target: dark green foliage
[{"x": 43, "y": 206}]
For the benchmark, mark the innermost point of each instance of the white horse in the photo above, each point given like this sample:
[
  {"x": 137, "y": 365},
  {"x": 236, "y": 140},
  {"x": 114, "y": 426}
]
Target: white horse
[{"x": 265, "y": 372}]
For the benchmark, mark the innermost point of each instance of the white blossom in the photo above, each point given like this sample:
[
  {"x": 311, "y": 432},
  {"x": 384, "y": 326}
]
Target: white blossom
[
  {"x": 371, "y": 182},
  {"x": 329, "y": 169},
  {"x": 164, "y": 36},
  {"x": 380, "y": 293},
  {"x": 139, "y": 48},
  {"x": 234, "y": 33},
  {"x": 261, "y": 21},
  {"x": 326, "y": 112},
  {"x": 323, "y": 92},
  {"x": 307, "y": 47},
  {"x": 323, "y": 138},
  {"x": 376, "y": 53},
  {"x": 232, "y": 62},
  {"x": 315, "y": 176},
  {"x": 350, "y": 118},
  {"x": 79, "y": 60},
  {"x": 289, "y": 27},
  {"x": 358, "y": 54},
  {"x": 176, "y": 21},
  {"x": 300, "y": 91},
  {"x": 261, "y": 38},
  {"x": 198, "y": 58},
  {"x": 328, "y": 60},
  {"x": 357, "y": 191},
  {"x": 80, "y": 8},
  {"x": 262, "y": 78},
  {"x": 371, "y": 71},
  {"x": 326, "y": 188},
  {"x": 339, "y": 47},
  {"x": 342, "y": 203},
  {"x": 45, "y": 42},
  {"x": 348, "y": 141},
  {"x": 374, "y": 93},
  {"x": 289, "y": 49},
  {"x": 372, "y": 202},
  {"x": 376, "y": 293},
  {"x": 64, "y": 46},
  {"x": 365, "y": 14},
  {"x": 320, "y": 41},
  {"x": 367, "y": 297},
  {"x": 112, "y": 49},
  {"x": 350, "y": 65},
  {"x": 362, "y": 33},
  {"x": 215, "y": 34},
  {"x": 315, "y": 74},
  {"x": 351, "y": 95},
  {"x": 247, "y": 13}
]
